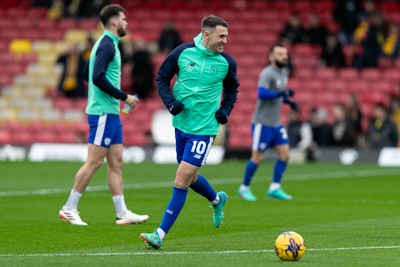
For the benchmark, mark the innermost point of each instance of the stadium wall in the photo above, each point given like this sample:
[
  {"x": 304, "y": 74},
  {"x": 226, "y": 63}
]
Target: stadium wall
[{"x": 166, "y": 154}]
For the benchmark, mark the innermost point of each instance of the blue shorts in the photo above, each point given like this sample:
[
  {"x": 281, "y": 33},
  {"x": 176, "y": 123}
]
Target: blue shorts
[
  {"x": 265, "y": 137},
  {"x": 105, "y": 130},
  {"x": 191, "y": 148}
]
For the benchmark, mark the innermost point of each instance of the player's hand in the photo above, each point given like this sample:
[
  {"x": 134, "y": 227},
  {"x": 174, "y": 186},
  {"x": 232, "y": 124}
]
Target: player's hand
[
  {"x": 221, "y": 117},
  {"x": 288, "y": 92},
  {"x": 132, "y": 101},
  {"x": 293, "y": 105},
  {"x": 176, "y": 108}
]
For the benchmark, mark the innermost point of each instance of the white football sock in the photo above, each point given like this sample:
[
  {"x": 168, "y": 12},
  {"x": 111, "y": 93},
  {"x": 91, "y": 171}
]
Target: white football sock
[
  {"x": 244, "y": 187},
  {"x": 161, "y": 233},
  {"x": 274, "y": 186},
  {"x": 216, "y": 200},
  {"x": 72, "y": 202},
  {"x": 120, "y": 206}
]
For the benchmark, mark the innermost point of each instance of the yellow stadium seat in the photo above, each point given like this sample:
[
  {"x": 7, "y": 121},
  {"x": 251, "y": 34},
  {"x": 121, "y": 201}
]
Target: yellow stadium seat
[{"x": 20, "y": 47}]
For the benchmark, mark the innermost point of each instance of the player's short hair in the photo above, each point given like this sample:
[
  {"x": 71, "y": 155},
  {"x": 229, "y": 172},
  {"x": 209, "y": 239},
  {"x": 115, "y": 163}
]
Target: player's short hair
[
  {"x": 110, "y": 11},
  {"x": 212, "y": 21},
  {"x": 271, "y": 50}
]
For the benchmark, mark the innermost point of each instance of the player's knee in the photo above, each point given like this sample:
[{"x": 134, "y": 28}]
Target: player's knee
[
  {"x": 117, "y": 163},
  {"x": 95, "y": 164},
  {"x": 284, "y": 157},
  {"x": 181, "y": 182},
  {"x": 257, "y": 157}
]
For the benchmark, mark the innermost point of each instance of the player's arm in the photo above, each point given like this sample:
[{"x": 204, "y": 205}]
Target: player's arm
[
  {"x": 104, "y": 54},
  {"x": 163, "y": 81},
  {"x": 266, "y": 94},
  {"x": 230, "y": 91}
]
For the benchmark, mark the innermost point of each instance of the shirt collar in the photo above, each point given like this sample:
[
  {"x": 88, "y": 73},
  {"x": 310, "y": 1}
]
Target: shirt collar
[
  {"x": 112, "y": 36},
  {"x": 199, "y": 44}
]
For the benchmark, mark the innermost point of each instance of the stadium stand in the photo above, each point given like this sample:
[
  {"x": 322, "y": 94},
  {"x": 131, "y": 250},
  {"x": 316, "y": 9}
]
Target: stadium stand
[{"x": 32, "y": 111}]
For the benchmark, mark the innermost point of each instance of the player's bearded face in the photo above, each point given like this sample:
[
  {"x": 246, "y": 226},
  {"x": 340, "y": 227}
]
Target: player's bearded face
[
  {"x": 281, "y": 57},
  {"x": 122, "y": 24},
  {"x": 121, "y": 31}
]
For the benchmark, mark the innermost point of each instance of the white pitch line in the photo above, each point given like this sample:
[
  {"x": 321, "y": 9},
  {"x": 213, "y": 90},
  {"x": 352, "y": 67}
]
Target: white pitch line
[
  {"x": 189, "y": 252},
  {"x": 293, "y": 177}
]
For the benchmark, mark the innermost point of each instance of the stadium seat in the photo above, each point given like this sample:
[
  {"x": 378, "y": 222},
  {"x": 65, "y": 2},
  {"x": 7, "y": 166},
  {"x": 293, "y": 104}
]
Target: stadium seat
[
  {"x": 359, "y": 86},
  {"x": 304, "y": 50},
  {"x": 68, "y": 137},
  {"x": 5, "y": 137},
  {"x": 20, "y": 46},
  {"x": 44, "y": 137},
  {"x": 304, "y": 74},
  {"x": 391, "y": 75},
  {"x": 326, "y": 74},
  {"x": 371, "y": 74},
  {"x": 314, "y": 85},
  {"x": 348, "y": 74},
  {"x": 22, "y": 138}
]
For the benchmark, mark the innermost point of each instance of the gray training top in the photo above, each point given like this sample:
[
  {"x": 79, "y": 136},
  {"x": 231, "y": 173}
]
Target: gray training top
[{"x": 268, "y": 112}]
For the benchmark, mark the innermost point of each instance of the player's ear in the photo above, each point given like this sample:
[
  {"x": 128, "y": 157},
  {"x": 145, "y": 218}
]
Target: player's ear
[
  {"x": 271, "y": 58},
  {"x": 114, "y": 21}
]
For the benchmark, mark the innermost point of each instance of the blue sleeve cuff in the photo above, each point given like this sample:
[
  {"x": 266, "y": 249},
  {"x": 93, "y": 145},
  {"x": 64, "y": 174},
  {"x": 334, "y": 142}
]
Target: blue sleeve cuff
[{"x": 265, "y": 94}]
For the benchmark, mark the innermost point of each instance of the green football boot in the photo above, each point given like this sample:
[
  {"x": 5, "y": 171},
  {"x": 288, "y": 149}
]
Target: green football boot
[
  {"x": 153, "y": 240},
  {"x": 279, "y": 194},
  {"x": 218, "y": 216},
  {"x": 246, "y": 194}
]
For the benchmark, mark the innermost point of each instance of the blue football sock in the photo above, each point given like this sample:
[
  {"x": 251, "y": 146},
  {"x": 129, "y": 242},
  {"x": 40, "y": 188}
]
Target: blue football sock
[
  {"x": 202, "y": 187},
  {"x": 174, "y": 207},
  {"x": 249, "y": 172},
  {"x": 279, "y": 169}
]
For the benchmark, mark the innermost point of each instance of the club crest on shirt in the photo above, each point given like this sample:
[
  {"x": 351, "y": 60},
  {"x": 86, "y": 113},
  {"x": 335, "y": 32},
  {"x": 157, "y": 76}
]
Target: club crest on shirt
[
  {"x": 213, "y": 70},
  {"x": 190, "y": 66}
]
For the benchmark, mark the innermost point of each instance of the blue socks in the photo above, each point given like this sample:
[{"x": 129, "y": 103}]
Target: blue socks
[
  {"x": 249, "y": 172},
  {"x": 279, "y": 169},
  {"x": 174, "y": 207},
  {"x": 202, "y": 187}
]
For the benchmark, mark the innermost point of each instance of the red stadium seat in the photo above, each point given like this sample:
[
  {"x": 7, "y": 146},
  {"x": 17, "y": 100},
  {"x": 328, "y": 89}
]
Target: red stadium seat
[
  {"x": 359, "y": 86},
  {"x": 5, "y": 137},
  {"x": 22, "y": 138},
  {"x": 45, "y": 137},
  {"x": 391, "y": 75},
  {"x": 327, "y": 74},
  {"x": 337, "y": 86},
  {"x": 371, "y": 74},
  {"x": 69, "y": 137},
  {"x": 304, "y": 73},
  {"x": 314, "y": 85},
  {"x": 304, "y": 50},
  {"x": 348, "y": 74}
]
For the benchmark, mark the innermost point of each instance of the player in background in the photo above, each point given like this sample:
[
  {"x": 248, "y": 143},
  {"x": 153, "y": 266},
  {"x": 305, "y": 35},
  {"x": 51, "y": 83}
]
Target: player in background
[
  {"x": 267, "y": 129},
  {"x": 103, "y": 73},
  {"x": 203, "y": 69}
]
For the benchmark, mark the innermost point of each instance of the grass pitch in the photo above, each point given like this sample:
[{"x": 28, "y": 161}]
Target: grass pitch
[{"x": 348, "y": 216}]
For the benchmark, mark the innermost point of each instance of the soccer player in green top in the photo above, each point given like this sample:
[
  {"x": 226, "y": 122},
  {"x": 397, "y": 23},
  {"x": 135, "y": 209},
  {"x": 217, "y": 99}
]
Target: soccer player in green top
[
  {"x": 103, "y": 73},
  {"x": 203, "y": 69}
]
